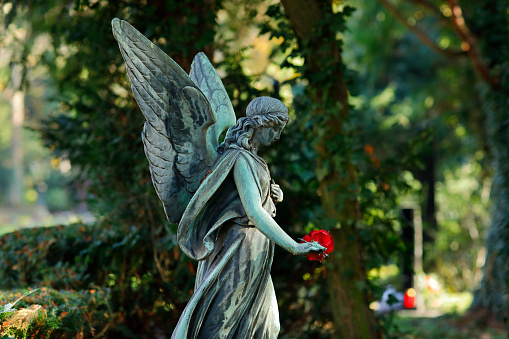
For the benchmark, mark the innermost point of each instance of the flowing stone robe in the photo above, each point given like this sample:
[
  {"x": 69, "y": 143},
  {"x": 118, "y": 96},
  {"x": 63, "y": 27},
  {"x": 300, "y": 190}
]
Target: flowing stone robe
[{"x": 233, "y": 296}]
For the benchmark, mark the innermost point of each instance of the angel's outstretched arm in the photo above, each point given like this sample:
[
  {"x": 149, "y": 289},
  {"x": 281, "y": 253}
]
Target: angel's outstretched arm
[{"x": 251, "y": 200}]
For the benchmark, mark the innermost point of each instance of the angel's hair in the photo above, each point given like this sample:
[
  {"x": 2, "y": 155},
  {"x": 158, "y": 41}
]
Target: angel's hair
[{"x": 261, "y": 112}]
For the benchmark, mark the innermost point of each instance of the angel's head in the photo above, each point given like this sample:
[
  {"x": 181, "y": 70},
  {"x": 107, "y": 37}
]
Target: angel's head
[{"x": 265, "y": 118}]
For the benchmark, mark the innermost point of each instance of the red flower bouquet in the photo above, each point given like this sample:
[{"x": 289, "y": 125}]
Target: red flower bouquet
[{"x": 323, "y": 238}]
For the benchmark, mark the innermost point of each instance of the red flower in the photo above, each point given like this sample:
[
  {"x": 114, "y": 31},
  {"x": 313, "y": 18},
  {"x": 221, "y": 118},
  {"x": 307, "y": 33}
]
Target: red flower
[{"x": 323, "y": 238}]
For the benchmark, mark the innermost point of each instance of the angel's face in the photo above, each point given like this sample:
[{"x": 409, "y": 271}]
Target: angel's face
[{"x": 268, "y": 135}]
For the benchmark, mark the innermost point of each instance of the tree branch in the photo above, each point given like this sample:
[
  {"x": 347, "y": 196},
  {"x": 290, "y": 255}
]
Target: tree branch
[
  {"x": 420, "y": 34},
  {"x": 469, "y": 44},
  {"x": 428, "y": 5},
  {"x": 432, "y": 8}
]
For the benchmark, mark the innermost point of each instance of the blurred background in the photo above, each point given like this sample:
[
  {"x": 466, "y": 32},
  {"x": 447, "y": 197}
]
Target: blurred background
[{"x": 398, "y": 145}]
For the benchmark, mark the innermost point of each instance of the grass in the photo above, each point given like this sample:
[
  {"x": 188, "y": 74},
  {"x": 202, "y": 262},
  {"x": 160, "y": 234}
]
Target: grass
[{"x": 448, "y": 326}]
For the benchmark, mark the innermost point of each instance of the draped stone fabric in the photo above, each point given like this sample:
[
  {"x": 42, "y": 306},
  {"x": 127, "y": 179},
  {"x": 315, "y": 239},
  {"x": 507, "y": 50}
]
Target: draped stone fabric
[{"x": 233, "y": 296}]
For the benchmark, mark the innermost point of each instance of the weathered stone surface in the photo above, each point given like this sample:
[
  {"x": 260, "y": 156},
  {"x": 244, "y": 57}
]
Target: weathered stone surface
[{"x": 221, "y": 196}]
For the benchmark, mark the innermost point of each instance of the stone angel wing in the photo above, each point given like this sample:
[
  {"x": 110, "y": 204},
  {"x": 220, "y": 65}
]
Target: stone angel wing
[
  {"x": 205, "y": 76},
  {"x": 184, "y": 116}
]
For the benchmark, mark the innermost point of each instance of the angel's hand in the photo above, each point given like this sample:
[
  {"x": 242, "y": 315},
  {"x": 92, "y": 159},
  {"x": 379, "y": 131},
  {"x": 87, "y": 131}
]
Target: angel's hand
[
  {"x": 308, "y": 247},
  {"x": 275, "y": 192}
]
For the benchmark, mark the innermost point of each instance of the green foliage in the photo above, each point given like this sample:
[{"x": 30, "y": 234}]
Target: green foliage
[
  {"x": 462, "y": 226},
  {"x": 21, "y": 69},
  {"x": 116, "y": 279},
  {"x": 48, "y": 313},
  {"x": 9, "y": 307},
  {"x": 408, "y": 105},
  {"x": 424, "y": 120},
  {"x": 329, "y": 145},
  {"x": 379, "y": 182},
  {"x": 98, "y": 124},
  {"x": 143, "y": 295},
  {"x": 97, "y": 127}
]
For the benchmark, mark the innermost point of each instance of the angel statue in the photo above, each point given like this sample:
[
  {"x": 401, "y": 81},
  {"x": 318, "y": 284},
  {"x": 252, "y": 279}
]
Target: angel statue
[{"x": 221, "y": 195}]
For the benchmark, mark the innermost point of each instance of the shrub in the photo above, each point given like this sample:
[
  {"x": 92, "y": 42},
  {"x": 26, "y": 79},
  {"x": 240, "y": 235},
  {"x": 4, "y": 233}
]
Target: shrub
[
  {"x": 59, "y": 314},
  {"x": 147, "y": 280}
]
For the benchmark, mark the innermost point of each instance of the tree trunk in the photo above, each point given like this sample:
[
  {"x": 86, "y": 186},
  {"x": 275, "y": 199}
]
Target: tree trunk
[
  {"x": 336, "y": 173},
  {"x": 493, "y": 294},
  {"x": 18, "y": 115}
]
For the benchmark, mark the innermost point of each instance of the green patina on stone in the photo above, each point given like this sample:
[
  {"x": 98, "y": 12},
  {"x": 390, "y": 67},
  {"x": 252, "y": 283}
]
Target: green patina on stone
[{"x": 221, "y": 195}]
